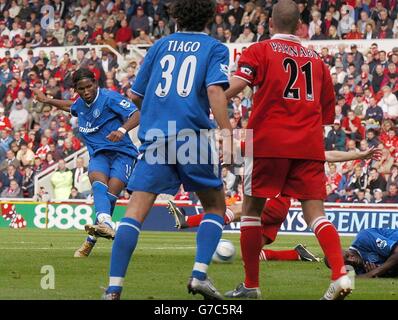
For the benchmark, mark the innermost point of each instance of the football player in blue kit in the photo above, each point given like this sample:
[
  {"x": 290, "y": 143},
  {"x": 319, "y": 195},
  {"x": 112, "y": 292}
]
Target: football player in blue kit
[
  {"x": 104, "y": 119},
  {"x": 374, "y": 253},
  {"x": 182, "y": 77}
]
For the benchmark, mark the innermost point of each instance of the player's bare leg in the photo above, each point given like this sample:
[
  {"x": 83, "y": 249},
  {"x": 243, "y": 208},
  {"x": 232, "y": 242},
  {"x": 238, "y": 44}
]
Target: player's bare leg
[
  {"x": 329, "y": 241},
  {"x": 251, "y": 241},
  {"x": 126, "y": 239},
  {"x": 207, "y": 238}
]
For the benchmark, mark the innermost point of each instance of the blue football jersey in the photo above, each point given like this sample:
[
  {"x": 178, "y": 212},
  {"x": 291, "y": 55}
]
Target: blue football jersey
[
  {"x": 375, "y": 244},
  {"x": 173, "y": 81},
  {"x": 96, "y": 121}
]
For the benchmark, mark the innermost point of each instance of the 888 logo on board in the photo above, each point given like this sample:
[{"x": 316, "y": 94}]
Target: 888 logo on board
[{"x": 62, "y": 216}]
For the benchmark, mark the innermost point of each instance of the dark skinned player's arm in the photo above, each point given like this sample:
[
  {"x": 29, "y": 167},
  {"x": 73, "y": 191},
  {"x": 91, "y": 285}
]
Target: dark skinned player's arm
[
  {"x": 132, "y": 122},
  {"x": 137, "y": 100},
  {"x": 391, "y": 264},
  {"x": 63, "y": 105}
]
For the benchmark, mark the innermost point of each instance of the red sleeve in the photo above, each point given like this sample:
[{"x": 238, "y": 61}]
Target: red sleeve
[
  {"x": 248, "y": 66},
  {"x": 328, "y": 99}
]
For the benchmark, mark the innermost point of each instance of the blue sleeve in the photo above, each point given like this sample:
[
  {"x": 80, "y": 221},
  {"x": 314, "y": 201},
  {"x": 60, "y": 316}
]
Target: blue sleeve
[
  {"x": 144, "y": 74},
  {"x": 121, "y": 105},
  {"x": 73, "y": 108},
  {"x": 217, "y": 71},
  {"x": 377, "y": 243}
]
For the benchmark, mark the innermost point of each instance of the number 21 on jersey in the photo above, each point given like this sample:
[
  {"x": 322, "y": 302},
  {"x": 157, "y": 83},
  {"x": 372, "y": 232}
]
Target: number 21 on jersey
[{"x": 292, "y": 92}]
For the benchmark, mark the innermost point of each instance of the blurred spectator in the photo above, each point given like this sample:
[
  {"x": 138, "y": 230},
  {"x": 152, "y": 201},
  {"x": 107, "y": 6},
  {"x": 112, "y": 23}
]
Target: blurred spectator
[
  {"x": 371, "y": 138},
  {"x": 352, "y": 127},
  {"x": 19, "y": 116},
  {"x": 359, "y": 180},
  {"x": 377, "y": 196},
  {"x": 393, "y": 177},
  {"x": 25, "y": 155},
  {"x": 28, "y": 182},
  {"x": 142, "y": 38},
  {"x": 376, "y": 181},
  {"x": 4, "y": 121},
  {"x": 360, "y": 198},
  {"x": 9, "y": 160},
  {"x": 229, "y": 179},
  {"x": 42, "y": 195},
  {"x": 12, "y": 191},
  {"x": 12, "y": 174},
  {"x": 392, "y": 194},
  {"x": 336, "y": 137},
  {"x": 374, "y": 114},
  {"x": 80, "y": 178},
  {"x": 75, "y": 194},
  {"x": 139, "y": 22},
  {"x": 333, "y": 178},
  {"x": 62, "y": 181},
  {"x": 331, "y": 194},
  {"x": 389, "y": 104}
]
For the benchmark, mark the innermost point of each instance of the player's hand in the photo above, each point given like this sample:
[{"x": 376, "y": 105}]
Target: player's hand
[
  {"x": 115, "y": 136},
  {"x": 40, "y": 96},
  {"x": 371, "y": 153},
  {"x": 370, "y": 266}
]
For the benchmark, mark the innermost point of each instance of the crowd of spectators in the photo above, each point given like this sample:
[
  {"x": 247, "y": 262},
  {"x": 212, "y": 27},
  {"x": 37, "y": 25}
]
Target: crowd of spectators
[{"x": 35, "y": 136}]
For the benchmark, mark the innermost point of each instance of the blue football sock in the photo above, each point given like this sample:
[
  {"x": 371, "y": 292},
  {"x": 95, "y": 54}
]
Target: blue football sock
[
  {"x": 123, "y": 247},
  {"x": 112, "y": 199},
  {"x": 92, "y": 239},
  {"x": 207, "y": 238},
  {"x": 101, "y": 200}
]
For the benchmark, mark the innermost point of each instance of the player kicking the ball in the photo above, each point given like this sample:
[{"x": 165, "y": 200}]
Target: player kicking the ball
[{"x": 104, "y": 118}]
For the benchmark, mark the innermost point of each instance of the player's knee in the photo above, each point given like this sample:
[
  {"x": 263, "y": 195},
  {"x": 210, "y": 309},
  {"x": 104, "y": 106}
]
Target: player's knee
[{"x": 100, "y": 188}]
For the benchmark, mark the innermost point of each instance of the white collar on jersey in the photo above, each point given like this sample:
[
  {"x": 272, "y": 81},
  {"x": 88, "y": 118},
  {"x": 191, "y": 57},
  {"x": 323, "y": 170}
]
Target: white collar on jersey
[
  {"x": 96, "y": 97},
  {"x": 356, "y": 250},
  {"x": 285, "y": 36},
  {"x": 193, "y": 32}
]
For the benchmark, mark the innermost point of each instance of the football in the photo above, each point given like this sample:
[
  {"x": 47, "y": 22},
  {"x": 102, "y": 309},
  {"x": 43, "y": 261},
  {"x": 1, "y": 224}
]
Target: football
[{"x": 225, "y": 252}]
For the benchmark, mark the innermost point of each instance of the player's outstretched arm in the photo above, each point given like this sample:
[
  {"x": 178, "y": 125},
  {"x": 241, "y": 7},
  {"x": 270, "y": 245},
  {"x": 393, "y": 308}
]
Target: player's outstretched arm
[
  {"x": 391, "y": 265},
  {"x": 341, "y": 156},
  {"x": 60, "y": 104},
  {"x": 236, "y": 85}
]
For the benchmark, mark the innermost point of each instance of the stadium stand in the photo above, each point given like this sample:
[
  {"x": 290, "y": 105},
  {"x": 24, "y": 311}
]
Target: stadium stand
[{"x": 111, "y": 37}]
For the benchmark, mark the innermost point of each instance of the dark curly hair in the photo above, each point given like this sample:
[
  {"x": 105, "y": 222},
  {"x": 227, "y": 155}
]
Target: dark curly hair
[
  {"x": 193, "y": 15},
  {"x": 82, "y": 73}
]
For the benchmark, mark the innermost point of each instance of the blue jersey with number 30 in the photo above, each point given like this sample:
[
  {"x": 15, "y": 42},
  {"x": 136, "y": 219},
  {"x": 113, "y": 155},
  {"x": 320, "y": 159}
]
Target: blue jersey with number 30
[
  {"x": 173, "y": 82},
  {"x": 105, "y": 114}
]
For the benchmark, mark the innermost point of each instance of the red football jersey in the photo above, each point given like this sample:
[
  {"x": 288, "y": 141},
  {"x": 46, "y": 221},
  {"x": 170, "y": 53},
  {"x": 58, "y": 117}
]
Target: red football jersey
[{"x": 293, "y": 99}]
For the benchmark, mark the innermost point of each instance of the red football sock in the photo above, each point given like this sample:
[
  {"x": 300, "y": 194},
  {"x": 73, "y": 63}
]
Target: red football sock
[
  {"x": 195, "y": 220},
  {"x": 229, "y": 216},
  {"x": 251, "y": 244},
  {"x": 280, "y": 255},
  {"x": 329, "y": 241}
]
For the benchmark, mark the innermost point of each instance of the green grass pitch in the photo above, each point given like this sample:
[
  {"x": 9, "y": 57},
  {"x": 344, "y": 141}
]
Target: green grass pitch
[{"x": 159, "y": 269}]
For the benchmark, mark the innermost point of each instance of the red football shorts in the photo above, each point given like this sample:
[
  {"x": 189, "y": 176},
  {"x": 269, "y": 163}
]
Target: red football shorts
[
  {"x": 296, "y": 178},
  {"x": 272, "y": 217}
]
